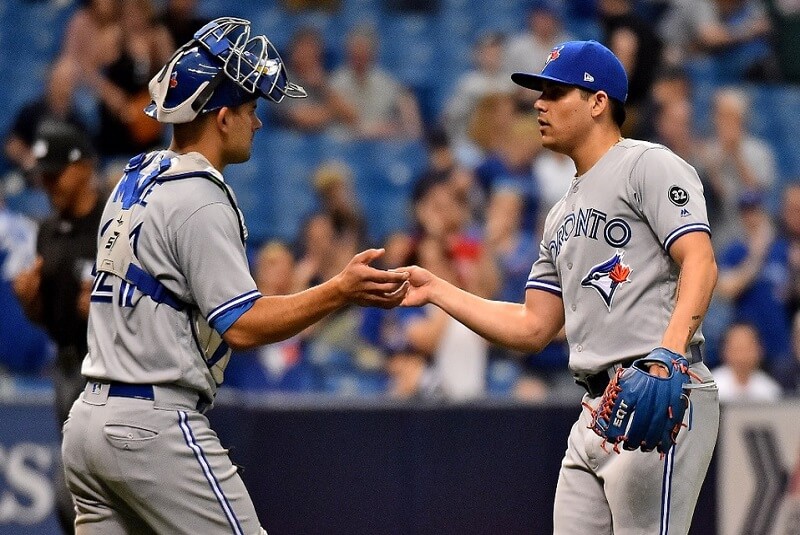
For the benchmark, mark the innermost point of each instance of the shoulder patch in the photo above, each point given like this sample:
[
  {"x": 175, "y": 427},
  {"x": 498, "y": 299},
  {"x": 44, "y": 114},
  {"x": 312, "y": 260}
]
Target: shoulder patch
[{"x": 678, "y": 196}]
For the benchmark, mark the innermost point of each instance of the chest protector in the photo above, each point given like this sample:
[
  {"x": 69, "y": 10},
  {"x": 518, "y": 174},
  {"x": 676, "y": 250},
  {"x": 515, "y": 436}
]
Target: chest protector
[{"x": 115, "y": 254}]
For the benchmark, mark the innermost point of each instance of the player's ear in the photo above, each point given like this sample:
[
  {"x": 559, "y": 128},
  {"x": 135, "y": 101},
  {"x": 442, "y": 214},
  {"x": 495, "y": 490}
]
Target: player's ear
[
  {"x": 600, "y": 103},
  {"x": 223, "y": 118}
]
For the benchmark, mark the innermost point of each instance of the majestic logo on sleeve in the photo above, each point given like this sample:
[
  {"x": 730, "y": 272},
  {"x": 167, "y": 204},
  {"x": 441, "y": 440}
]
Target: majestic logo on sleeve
[{"x": 607, "y": 277}]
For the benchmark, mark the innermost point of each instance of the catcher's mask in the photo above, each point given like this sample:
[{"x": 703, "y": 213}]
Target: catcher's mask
[{"x": 222, "y": 66}]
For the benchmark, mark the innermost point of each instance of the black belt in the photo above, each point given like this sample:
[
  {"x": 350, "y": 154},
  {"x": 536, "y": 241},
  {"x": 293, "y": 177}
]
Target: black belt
[
  {"x": 128, "y": 390},
  {"x": 596, "y": 384}
]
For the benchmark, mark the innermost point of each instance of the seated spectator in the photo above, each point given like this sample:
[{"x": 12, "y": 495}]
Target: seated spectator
[
  {"x": 753, "y": 275},
  {"x": 740, "y": 378},
  {"x": 280, "y": 366},
  {"x": 380, "y": 105},
  {"x": 736, "y": 161},
  {"x": 734, "y": 33},
  {"x": 450, "y": 247},
  {"x": 510, "y": 165},
  {"x": 411, "y": 376},
  {"x": 180, "y": 19},
  {"x": 635, "y": 42},
  {"x": 785, "y": 19},
  {"x": 323, "y": 107},
  {"x": 488, "y": 124},
  {"x": 122, "y": 83},
  {"x": 527, "y": 51},
  {"x": 92, "y": 38},
  {"x": 55, "y": 104},
  {"x": 487, "y": 77},
  {"x": 790, "y": 227},
  {"x": 333, "y": 183}
]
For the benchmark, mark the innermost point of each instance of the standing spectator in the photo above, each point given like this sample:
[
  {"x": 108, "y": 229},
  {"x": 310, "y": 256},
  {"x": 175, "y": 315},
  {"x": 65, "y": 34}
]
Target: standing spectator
[
  {"x": 55, "y": 290},
  {"x": 739, "y": 378},
  {"x": 634, "y": 41},
  {"x": 736, "y": 161},
  {"x": 144, "y": 46},
  {"x": 323, "y": 107},
  {"x": 529, "y": 49},
  {"x": 753, "y": 275},
  {"x": 181, "y": 20},
  {"x": 488, "y": 77},
  {"x": 382, "y": 107},
  {"x": 55, "y": 104}
]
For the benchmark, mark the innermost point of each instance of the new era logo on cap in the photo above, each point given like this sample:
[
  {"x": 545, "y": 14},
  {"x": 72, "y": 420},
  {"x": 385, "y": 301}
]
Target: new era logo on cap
[{"x": 585, "y": 64}]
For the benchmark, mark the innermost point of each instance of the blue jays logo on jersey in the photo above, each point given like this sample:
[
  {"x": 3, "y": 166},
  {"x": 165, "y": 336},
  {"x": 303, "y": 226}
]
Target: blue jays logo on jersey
[{"x": 607, "y": 276}]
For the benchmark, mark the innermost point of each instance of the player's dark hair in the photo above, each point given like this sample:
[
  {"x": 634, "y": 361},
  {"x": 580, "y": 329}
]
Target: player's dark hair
[{"x": 617, "y": 108}]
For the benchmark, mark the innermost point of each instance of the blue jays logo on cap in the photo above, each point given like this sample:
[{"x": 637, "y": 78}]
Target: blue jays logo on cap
[
  {"x": 554, "y": 54},
  {"x": 585, "y": 64},
  {"x": 607, "y": 276}
]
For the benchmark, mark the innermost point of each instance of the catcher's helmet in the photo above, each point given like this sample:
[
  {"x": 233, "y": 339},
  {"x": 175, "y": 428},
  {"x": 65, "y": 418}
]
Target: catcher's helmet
[{"x": 221, "y": 66}]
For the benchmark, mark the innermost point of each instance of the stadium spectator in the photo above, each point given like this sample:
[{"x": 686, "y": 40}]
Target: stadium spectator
[
  {"x": 753, "y": 275},
  {"x": 528, "y": 50},
  {"x": 635, "y": 42},
  {"x": 333, "y": 183},
  {"x": 382, "y": 107},
  {"x": 143, "y": 47},
  {"x": 449, "y": 245},
  {"x": 57, "y": 103},
  {"x": 55, "y": 290},
  {"x": 510, "y": 165},
  {"x": 788, "y": 375},
  {"x": 411, "y": 376},
  {"x": 785, "y": 19},
  {"x": 279, "y": 366},
  {"x": 323, "y": 107},
  {"x": 181, "y": 20},
  {"x": 733, "y": 33},
  {"x": 487, "y": 77},
  {"x": 736, "y": 161},
  {"x": 790, "y": 226},
  {"x": 92, "y": 38},
  {"x": 740, "y": 378},
  {"x": 490, "y": 120}
]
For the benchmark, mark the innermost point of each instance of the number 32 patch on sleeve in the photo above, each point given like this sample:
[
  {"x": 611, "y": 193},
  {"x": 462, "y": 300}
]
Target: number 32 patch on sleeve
[{"x": 678, "y": 196}]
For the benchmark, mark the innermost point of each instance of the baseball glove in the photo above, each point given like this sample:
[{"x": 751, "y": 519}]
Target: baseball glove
[{"x": 641, "y": 410}]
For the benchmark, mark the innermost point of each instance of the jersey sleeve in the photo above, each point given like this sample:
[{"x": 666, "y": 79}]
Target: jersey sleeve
[
  {"x": 543, "y": 275},
  {"x": 668, "y": 194},
  {"x": 212, "y": 257}
]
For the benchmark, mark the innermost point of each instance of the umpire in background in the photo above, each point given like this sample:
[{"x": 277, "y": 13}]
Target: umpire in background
[{"x": 54, "y": 292}]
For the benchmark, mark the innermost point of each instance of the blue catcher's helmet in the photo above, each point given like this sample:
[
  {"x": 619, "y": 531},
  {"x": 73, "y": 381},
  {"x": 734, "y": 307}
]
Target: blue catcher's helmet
[{"x": 221, "y": 66}]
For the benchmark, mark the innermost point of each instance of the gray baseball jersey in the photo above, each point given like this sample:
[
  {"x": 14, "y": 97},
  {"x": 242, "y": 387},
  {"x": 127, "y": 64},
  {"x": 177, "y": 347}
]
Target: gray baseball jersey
[
  {"x": 187, "y": 235},
  {"x": 605, "y": 251},
  {"x": 172, "y": 277}
]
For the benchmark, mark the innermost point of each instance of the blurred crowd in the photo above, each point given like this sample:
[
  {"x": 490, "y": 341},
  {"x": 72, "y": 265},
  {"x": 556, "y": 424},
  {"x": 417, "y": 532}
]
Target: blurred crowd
[{"x": 475, "y": 212}]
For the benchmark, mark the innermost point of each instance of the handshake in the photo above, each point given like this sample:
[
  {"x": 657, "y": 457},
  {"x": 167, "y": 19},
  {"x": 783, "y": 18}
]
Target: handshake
[{"x": 364, "y": 285}]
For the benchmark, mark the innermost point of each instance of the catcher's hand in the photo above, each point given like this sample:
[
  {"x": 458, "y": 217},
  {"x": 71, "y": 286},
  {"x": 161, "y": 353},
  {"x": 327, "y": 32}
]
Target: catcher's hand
[{"x": 640, "y": 409}]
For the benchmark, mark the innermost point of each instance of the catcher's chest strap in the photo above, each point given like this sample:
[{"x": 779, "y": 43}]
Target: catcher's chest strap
[{"x": 596, "y": 384}]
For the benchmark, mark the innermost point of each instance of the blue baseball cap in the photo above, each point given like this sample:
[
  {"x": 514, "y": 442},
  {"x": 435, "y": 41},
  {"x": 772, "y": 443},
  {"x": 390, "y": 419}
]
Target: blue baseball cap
[{"x": 585, "y": 64}]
